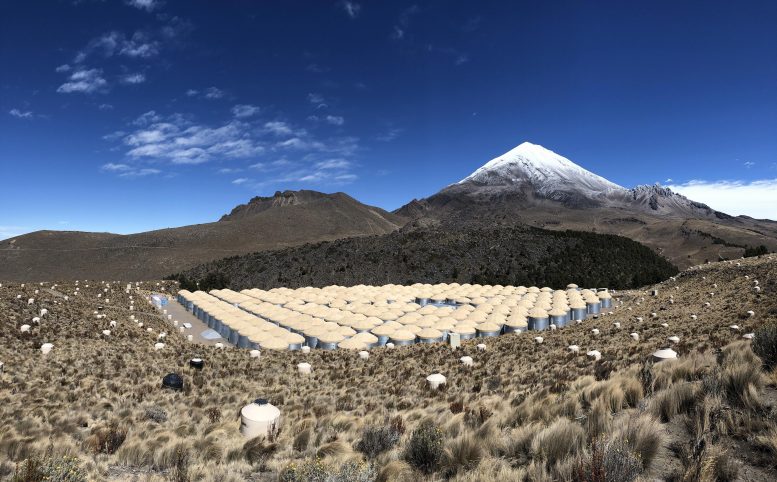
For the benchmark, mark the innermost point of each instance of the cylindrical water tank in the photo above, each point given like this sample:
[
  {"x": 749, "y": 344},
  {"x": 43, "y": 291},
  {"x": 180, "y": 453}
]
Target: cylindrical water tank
[
  {"x": 402, "y": 337},
  {"x": 665, "y": 354},
  {"x": 465, "y": 331},
  {"x": 488, "y": 329},
  {"x": 538, "y": 319},
  {"x": 559, "y": 316},
  {"x": 593, "y": 306},
  {"x": 578, "y": 310},
  {"x": 606, "y": 299},
  {"x": 259, "y": 418},
  {"x": 429, "y": 335},
  {"x": 196, "y": 363},
  {"x": 435, "y": 380}
]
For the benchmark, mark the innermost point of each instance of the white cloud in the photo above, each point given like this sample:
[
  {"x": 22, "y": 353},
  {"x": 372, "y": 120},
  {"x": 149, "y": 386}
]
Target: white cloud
[
  {"x": 125, "y": 170},
  {"x": 400, "y": 28},
  {"x": 334, "y": 164},
  {"x": 317, "y": 100},
  {"x": 140, "y": 45},
  {"x": 105, "y": 107},
  {"x": 241, "y": 180},
  {"x": 192, "y": 92},
  {"x": 137, "y": 78},
  {"x": 351, "y": 8},
  {"x": 244, "y": 110},
  {"x": 335, "y": 120},
  {"x": 389, "y": 135},
  {"x": 85, "y": 81},
  {"x": 115, "y": 167},
  {"x": 749, "y": 164},
  {"x": 229, "y": 170},
  {"x": 757, "y": 199},
  {"x": 278, "y": 128},
  {"x": 147, "y": 5},
  {"x": 63, "y": 68},
  {"x": 461, "y": 59},
  {"x": 21, "y": 114},
  {"x": 213, "y": 93},
  {"x": 179, "y": 141}
]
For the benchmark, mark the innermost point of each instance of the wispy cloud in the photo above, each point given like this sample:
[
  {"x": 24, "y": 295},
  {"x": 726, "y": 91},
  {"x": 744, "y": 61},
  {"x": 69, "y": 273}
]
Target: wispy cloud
[
  {"x": 352, "y": 9},
  {"x": 140, "y": 45},
  {"x": 137, "y": 78},
  {"x": 757, "y": 199},
  {"x": 63, "y": 68},
  {"x": 317, "y": 100},
  {"x": 85, "y": 81},
  {"x": 127, "y": 171},
  {"x": 26, "y": 114},
  {"x": 105, "y": 106},
  {"x": 399, "y": 30},
  {"x": 211, "y": 93},
  {"x": 278, "y": 128},
  {"x": 282, "y": 152},
  {"x": 147, "y": 5},
  {"x": 317, "y": 68},
  {"x": 245, "y": 110},
  {"x": 749, "y": 164},
  {"x": 335, "y": 120},
  {"x": 389, "y": 135}
]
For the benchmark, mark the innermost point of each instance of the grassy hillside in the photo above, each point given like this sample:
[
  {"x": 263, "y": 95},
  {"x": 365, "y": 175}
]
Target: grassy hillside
[
  {"x": 497, "y": 255},
  {"x": 94, "y": 408}
]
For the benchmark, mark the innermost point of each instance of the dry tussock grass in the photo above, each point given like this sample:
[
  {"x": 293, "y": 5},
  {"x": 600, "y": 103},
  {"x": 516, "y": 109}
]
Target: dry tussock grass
[{"x": 523, "y": 412}]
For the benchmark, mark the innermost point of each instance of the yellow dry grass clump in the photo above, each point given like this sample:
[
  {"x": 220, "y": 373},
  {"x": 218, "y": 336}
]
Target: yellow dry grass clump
[{"x": 93, "y": 408}]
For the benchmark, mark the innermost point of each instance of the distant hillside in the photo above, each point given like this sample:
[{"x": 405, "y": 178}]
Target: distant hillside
[
  {"x": 496, "y": 255},
  {"x": 535, "y": 186},
  {"x": 286, "y": 219}
]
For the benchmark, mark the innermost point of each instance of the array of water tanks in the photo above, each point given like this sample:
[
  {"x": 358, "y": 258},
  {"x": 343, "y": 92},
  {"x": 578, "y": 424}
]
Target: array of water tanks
[{"x": 362, "y": 317}]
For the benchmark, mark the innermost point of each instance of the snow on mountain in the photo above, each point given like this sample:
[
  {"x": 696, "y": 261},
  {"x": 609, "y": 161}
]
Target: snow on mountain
[{"x": 543, "y": 169}]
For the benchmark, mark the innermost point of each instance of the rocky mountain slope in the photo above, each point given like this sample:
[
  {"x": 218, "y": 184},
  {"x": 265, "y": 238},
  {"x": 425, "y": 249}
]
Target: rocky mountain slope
[
  {"x": 533, "y": 185},
  {"x": 285, "y": 219}
]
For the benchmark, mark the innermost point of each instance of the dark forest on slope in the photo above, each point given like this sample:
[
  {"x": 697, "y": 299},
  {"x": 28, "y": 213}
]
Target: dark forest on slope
[{"x": 498, "y": 255}]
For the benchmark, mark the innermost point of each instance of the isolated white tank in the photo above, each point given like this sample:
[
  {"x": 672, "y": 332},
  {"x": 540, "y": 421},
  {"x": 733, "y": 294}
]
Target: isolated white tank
[
  {"x": 25, "y": 328},
  {"x": 304, "y": 368},
  {"x": 259, "y": 418},
  {"x": 634, "y": 336},
  {"x": 305, "y": 349},
  {"x": 364, "y": 355},
  {"x": 158, "y": 346},
  {"x": 435, "y": 380},
  {"x": 466, "y": 361},
  {"x": 46, "y": 348},
  {"x": 574, "y": 349},
  {"x": 664, "y": 354},
  {"x": 595, "y": 354},
  {"x": 255, "y": 353}
]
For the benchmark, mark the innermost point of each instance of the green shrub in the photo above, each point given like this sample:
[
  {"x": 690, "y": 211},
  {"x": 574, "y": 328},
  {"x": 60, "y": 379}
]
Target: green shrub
[
  {"x": 765, "y": 344},
  {"x": 425, "y": 449}
]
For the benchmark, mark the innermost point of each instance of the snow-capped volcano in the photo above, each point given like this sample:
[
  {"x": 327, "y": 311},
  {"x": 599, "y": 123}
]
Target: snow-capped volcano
[{"x": 541, "y": 169}]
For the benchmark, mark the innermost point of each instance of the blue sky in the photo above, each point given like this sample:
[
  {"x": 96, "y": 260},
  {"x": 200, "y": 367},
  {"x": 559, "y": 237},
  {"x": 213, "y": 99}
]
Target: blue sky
[{"x": 130, "y": 115}]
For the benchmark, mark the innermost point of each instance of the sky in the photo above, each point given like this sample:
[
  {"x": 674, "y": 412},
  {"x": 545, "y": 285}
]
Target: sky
[{"x": 130, "y": 115}]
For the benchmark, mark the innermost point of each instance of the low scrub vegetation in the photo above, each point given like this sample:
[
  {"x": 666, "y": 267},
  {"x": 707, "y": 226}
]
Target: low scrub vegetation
[{"x": 93, "y": 408}]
